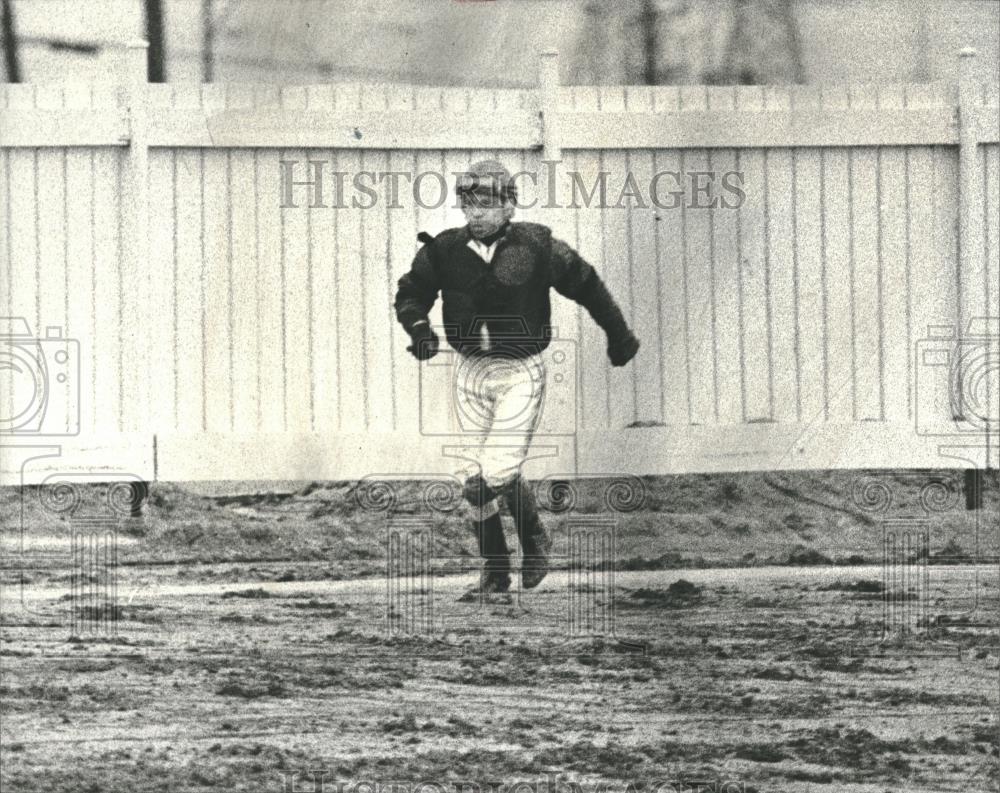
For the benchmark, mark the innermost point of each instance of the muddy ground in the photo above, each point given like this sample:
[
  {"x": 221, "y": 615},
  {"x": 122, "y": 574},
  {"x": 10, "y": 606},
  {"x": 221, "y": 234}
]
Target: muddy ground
[{"x": 256, "y": 644}]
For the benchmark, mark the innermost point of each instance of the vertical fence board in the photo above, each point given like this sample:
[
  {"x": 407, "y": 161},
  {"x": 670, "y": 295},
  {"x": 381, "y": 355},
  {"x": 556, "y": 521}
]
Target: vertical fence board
[
  {"x": 378, "y": 291},
  {"x": 925, "y": 296},
  {"x": 248, "y": 330},
  {"x": 991, "y": 203},
  {"x": 6, "y": 258},
  {"x": 974, "y": 279},
  {"x": 729, "y": 297},
  {"x": 617, "y": 263},
  {"x": 752, "y": 171},
  {"x": 894, "y": 255},
  {"x": 403, "y": 246},
  {"x": 567, "y": 316},
  {"x": 272, "y": 331},
  {"x": 20, "y": 238},
  {"x": 379, "y": 294},
  {"x": 838, "y": 270},
  {"x": 52, "y": 236},
  {"x": 593, "y": 374},
  {"x": 778, "y": 220},
  {"x": 674, "y": 372},
  {"x": 162, "y": 325},
  {"x": 571, "y": 318},
  {"x": 426, "y": 191},
  {"x": 616, "y": 268},
  {"x": 700, "y": 305},
  {"x": 644, "y": 287},
  {"x": 323, "y": 302},
  {"x": 531, "y": 194},
  {"x": 353, "y": 320},
  {"x": 756, "y": 322},
  {"x": 79, "y": 260},
  {"x": 448, "y": 215},
  {"x": 244, "y": 239},
  {"x": 53, "y": 284},
  {"x": 217, "y": 231},
  {"x": 191, "y": 313},
  {"x": 593, "y": 343},
  {"x": 107, "y": 372},
  {"x": 810, "y": 294},
  {"x": 839, "y": 286},
  {"x": 811, "y": 327},
  {"x": 79, "y": 269},
  {"x": 23, "y": 235},
  {"x": 727, "y": 285},
  {"x": 297, "y": 267},
  {"x": 867, "y": 286},
  {"x": 946, "y": 231},
  {"x": 700, "y": 297}
]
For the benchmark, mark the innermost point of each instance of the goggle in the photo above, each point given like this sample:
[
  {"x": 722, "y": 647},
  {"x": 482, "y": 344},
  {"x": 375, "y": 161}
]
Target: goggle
[{"x": 484, "y": 201}]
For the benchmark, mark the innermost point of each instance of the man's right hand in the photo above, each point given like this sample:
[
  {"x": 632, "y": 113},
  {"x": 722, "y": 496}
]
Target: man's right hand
[
  {"x": 623, "y": 350},
  {"x": 425, "y": 341}
]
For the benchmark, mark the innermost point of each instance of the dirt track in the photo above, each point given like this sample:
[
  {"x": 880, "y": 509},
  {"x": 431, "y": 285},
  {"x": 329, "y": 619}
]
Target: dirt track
[{"x": 769, "y": 679}]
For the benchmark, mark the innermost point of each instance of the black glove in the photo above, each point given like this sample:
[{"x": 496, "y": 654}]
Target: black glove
[
  {"x": 623, "y": 350},
  {"x": 425, "y": 342}
]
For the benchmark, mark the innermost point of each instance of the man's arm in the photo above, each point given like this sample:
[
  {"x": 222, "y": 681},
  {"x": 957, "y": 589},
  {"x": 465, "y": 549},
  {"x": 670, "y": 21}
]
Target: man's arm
[
  {"x": 572, "y": 277},
  {"x": 417, "y": 290}
]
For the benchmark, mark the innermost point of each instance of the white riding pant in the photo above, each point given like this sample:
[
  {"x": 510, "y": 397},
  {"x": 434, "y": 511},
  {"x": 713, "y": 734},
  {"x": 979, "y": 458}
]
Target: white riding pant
[{"x": 499, "y": 402}]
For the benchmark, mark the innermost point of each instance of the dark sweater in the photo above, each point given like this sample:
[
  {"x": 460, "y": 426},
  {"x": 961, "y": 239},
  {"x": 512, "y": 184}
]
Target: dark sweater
[{"x": 510, "y": 295}]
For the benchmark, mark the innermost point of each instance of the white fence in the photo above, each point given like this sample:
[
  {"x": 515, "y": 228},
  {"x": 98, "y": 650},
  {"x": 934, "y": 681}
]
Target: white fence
[{"x": 223, "y": 336}]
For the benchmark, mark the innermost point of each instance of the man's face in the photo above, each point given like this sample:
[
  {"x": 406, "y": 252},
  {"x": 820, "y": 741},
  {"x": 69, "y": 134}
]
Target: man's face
[{"x": 485, "y": 214}]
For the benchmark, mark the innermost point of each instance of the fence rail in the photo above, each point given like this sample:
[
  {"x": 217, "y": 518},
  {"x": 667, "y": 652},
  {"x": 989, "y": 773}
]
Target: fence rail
[
  {"x": 415, "y": 117},
  {"x": 223, "y": 335}
]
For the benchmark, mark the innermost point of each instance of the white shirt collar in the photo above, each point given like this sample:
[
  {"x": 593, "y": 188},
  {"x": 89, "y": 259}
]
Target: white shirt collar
[{"x": 485, "y": 252}]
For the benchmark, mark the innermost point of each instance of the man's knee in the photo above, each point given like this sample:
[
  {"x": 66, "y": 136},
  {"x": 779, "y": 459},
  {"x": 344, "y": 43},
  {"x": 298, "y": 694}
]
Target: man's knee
[
  {"x": 515, "y": 489},
  {"x": 477, "y": 492},
  {"x": 516, "y": 492}
]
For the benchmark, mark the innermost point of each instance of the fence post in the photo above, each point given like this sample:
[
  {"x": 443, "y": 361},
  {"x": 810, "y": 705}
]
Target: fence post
[
  {"x": 970, "y": 204},
  {"x": 136, "y": 344},
  {"x": 565, "y": 322},
  {"x": 548, "y": 80},
  {"x": 971, "y": 223}
]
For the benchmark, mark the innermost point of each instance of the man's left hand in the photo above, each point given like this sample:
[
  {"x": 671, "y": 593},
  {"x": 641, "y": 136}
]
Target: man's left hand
[{"x": 624, "y": 350}]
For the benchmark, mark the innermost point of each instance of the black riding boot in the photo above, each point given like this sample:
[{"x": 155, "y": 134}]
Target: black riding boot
[
  {"x": 488, "y": 529},
  {"x": 493, "y": 544},
  {"x": 535, "y": 542}
]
